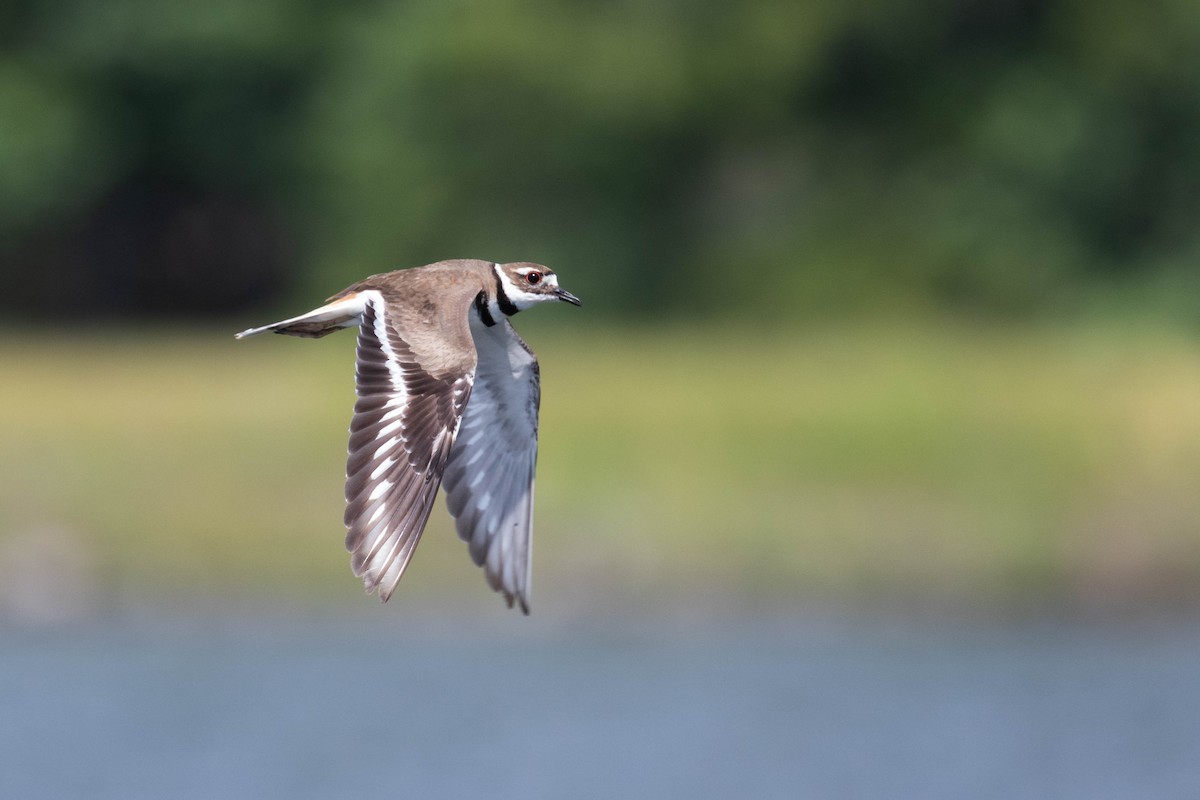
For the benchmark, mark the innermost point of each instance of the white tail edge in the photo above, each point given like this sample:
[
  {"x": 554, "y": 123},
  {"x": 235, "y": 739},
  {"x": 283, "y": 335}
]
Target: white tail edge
[{"x": 345, "y": 312}]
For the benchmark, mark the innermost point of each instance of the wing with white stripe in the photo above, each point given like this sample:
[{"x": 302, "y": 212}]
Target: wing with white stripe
[
  {"x": 401, "y": 435},
  {"x": 490, "y": 474}
]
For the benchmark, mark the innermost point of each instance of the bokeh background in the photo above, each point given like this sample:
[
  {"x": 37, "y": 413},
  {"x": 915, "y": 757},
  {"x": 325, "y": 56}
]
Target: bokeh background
[{"x": 869, "y": 467}]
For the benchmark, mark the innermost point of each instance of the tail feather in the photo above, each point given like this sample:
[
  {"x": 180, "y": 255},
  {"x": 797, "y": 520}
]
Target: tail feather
[{"x": 344, "y": 312}]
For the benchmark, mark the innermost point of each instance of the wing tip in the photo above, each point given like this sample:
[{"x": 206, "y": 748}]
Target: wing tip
[
  {"x": 374, "y": 586},
  {"x": 517, "y": 599}
]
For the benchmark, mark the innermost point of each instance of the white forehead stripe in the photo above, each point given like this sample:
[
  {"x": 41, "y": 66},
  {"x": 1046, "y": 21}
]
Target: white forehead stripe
[{"x": 547, "y": 277}]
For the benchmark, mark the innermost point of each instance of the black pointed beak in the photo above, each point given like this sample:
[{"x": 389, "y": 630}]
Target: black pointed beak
[{"x": 567, "y": 297}]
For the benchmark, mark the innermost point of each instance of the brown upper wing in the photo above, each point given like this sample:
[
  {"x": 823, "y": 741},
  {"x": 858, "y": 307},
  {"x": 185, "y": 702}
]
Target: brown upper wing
[{"x": 404, "y": 425}]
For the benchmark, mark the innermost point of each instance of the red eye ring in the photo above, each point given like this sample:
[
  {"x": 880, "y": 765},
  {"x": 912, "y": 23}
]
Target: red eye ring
[{"x": 533, "y": 278}]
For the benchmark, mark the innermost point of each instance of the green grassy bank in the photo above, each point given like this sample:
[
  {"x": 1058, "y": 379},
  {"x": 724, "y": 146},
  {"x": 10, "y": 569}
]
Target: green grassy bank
[{"x": 922, "y": 462}]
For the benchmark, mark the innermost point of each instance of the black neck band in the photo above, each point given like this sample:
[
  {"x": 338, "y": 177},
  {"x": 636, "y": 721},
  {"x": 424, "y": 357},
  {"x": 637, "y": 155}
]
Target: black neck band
[
  {"x": 481, "y": 305},
  {"x": 502, "y": 300}
]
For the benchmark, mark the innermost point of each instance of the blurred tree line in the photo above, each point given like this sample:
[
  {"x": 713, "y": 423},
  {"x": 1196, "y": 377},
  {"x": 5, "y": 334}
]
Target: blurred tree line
[{"x": 160, "y": 156}]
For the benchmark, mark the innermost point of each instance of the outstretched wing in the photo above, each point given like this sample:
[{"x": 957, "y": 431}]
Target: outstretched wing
[
  {"x": 489, "y": 477},
  {"x": 404, "y": 424}
]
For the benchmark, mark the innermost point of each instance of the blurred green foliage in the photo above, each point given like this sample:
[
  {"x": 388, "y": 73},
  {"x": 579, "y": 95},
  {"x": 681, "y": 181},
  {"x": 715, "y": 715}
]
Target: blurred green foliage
[{"x": 1002, "y": 156}]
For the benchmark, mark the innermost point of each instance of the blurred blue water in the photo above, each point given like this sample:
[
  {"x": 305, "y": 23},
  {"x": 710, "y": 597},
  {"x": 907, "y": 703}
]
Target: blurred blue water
[{"x": 753, "y": 708}]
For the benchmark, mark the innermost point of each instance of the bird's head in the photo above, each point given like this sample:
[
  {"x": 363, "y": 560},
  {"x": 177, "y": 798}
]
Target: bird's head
[{"x": 527, "y": 284}]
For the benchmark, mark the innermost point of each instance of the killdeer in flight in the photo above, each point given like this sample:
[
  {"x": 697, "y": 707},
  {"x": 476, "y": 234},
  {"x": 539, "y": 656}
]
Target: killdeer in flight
[{"x": 447, "y": 393}]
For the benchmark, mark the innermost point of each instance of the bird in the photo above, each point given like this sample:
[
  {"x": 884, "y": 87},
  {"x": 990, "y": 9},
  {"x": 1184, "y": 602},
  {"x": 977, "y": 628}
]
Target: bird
[{"x": 447, "y": 393}]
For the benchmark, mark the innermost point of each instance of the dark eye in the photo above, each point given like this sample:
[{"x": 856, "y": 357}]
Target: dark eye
[{"x": 533, "y": 278}]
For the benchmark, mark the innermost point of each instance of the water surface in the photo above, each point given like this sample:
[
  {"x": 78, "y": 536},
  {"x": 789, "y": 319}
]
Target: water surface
[{"x": 764, "y": 708}]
